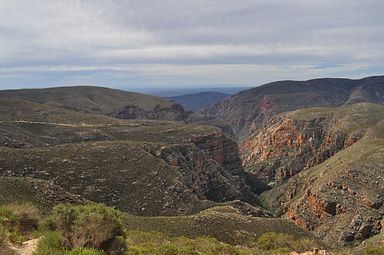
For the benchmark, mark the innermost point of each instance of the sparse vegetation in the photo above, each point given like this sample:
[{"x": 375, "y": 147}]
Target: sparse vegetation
[
  {"x": 97, "y": 230},
  {"x": 18, "y": 222},
  {"x": 154, "y": 243},
  {"x": 279, "y": 242},
  {"x": 52, "y": 243},
  {"x": 223, "y": 223},
  {"x": 3, "y": 235},
  {"x": 144, "y": 168},
  {"x": 89, "y": 226},
  {"x": 146, "y": 243}
]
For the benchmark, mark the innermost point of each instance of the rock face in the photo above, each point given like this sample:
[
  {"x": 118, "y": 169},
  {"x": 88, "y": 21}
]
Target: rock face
[
  {"x": 210, "y": 168},
  {"x": 249, "y": 110},
  {"x": 331, "y": 214},
  {"x": 288, "y": 145},
  {"x": 340, "y": 197}
]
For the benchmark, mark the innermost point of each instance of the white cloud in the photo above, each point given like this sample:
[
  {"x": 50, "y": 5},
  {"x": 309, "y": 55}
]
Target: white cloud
[{"x": 202, "y": 40}]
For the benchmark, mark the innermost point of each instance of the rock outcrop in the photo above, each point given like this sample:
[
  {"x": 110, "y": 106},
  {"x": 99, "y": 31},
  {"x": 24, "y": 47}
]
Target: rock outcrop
[
  {"x": 340, "y": 200},
  {"x": 288, "y": 145},
  {"x": 211, "y": 168},
  {"x": 172, "y": 112},
  {"x": 324, "y": 166}
]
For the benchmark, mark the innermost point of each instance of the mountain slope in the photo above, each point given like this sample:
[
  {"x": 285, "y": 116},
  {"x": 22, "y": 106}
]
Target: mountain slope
[
  {"x": 339, "y": 197},
  {"x": 102, "y": 101},
  {"x": 43, "y": 194},
  {"x": 226, "y": 223},
  {"x": 249, "y": 110},
  {"x": 198, "y": 101},
  {"x": 318, "y": 162},
  {"x": 297, "y": 140},
  {"x": 140, "y": 166}
]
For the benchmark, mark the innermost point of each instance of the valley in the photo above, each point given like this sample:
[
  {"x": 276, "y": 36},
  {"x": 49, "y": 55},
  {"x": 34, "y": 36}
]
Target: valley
[{"x": 304, "y": 159}]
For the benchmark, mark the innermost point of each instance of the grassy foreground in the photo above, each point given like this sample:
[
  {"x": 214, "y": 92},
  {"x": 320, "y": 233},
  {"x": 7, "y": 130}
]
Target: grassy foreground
[{"x": 96, "y": 230}]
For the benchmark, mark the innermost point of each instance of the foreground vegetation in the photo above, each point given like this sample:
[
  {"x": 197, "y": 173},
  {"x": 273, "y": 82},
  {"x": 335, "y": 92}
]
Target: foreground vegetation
[{"x": 99, "y": 230}]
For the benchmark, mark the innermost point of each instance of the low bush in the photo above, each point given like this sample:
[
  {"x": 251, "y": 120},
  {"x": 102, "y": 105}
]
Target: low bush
[
  {"x": 89, "y": 226},
  {"x": 154, "y": 243},
  {"x": 3, "y": 234},
  {"x": 370, "y": 250},
  {"x": 24, "y": 217},
  {"x": 51, "y": 243},
  {"x": 284, "y": 243},
  {"x": 81, "y": 251},
  {"x": 18, "y": 222},
  {"x": 374, "y": 251},
  {"x": 16, "y": 238}
]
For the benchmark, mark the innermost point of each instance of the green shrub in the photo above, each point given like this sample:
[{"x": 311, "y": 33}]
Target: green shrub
[
  {"x": 3, "y": 234},
  {"x": 284, "y": 243},
  {"x": 90, "y": 226},
  {"x": 117, "y": 246},
  {"x": 16, "y": 238},
  {"x": 81, "y": 251},
  {"x": 153, "y": 243},
  {"x": 272, "y": 241},
  {"x": 50, "y": 244},
  {"x": 374, "y": 250},
  {"x": 135, "y": 237},
  {"x": 20, "y": 219}
]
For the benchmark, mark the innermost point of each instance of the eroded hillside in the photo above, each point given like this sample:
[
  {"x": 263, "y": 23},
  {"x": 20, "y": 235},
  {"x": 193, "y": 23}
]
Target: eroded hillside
[
  {"x": 310, "y": 152},
  {"x": 142, "y": 167},
  {"x": 325, "y": 169}
]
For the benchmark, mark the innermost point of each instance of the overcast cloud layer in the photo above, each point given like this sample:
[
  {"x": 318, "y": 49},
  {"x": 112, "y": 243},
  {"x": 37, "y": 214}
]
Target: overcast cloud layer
[{"x": 164, "y": 43}]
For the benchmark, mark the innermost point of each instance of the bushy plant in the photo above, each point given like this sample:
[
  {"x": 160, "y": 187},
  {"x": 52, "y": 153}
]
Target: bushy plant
[
  {"x": 369, "y": 250},
  {"x": 374, "y": 251},
  {"x": 51, "y": 243},
  {"x": 283, "y": 243},
  {"x": 81, "y": 251},
  {"x": 18, "y": 221},
  {"x": 24, "y": 218},
  {"x": 90, "y": 226},
  {"x": 153, "y": 243},
  {"x": 16, "y": 238},
  {"x": 3, "y": 234}
]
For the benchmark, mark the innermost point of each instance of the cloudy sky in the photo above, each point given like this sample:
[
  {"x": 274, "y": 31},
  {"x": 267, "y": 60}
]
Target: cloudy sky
[{"x": 165, "y": 43}]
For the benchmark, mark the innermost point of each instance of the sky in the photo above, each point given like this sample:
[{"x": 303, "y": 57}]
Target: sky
[{"x": 183, "y": 43}]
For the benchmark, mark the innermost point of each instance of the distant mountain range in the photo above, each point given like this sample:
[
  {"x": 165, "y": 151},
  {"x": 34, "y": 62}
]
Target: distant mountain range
[
  {"x": 102, "y": 101},
  {"x": 183, "y": 90},
  {"x": 250, "y": 109},
  {"x": 198, "y": 101}
]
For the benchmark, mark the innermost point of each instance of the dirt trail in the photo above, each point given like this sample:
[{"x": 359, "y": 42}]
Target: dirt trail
[{"x": 27, "y": 248}]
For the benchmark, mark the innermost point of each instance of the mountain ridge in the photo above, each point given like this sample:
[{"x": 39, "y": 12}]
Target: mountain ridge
[
  {"x": 249, "y": 110},
  {"x": 198, "y": 101},
  {"x": 102, "y": 101}
]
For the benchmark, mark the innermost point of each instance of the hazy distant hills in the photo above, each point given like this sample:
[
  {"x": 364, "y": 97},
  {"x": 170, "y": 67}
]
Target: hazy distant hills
[
  {"x": 102, "y": 101},
  {"x": 198, "y": 101},
  {"x": 186, "y": 90}
]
